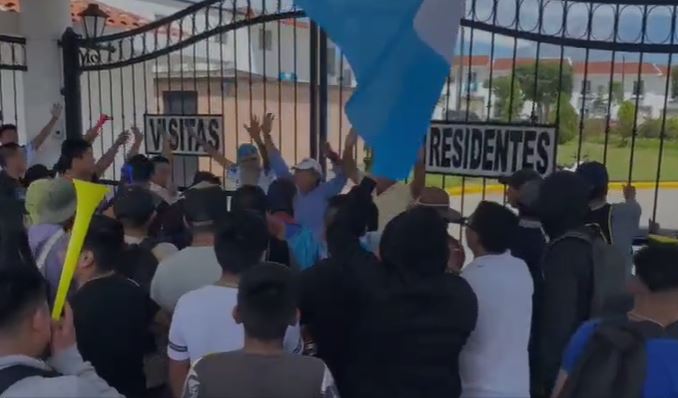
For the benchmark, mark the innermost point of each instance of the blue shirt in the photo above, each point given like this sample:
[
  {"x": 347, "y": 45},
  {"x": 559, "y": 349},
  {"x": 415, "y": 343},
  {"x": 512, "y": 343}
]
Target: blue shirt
[
  {"x": 309, "y": 208},
  {"x": 661, "y": 379}
]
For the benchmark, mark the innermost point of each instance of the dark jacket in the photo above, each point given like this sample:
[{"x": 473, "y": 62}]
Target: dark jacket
[
  {"x": 411, "y": 337},
  {"x": 334, "y": 294}
]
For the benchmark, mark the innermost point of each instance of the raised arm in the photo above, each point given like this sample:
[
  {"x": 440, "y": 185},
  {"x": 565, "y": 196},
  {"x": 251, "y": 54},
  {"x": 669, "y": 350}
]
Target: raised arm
[
  {"x": 94, "y": 132},
  {"x": 348, "y": 157},
  {"x": 335, "y": 185},
  {"x": 419, "y": 179},
  {"x": 211, "y": 150},
  {"x": 255, "y": 133},
  {"x": 39, "y": 139},
  {"x": 169, "y": 155},
  {"x": 278, "y": 164},
  {"x": 138, "y": 139},
  {"x": 109, "y": 157}
]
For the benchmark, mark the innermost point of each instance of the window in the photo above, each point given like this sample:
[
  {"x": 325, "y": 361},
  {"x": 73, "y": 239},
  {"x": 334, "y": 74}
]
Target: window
[
  {"x": 586, "y": 87},
  {"x": 639, "y": 87},
  {"x": 265, "y": 40},
  {"x": 331, "y": 59},
  {"x": 180, "y": 102}
]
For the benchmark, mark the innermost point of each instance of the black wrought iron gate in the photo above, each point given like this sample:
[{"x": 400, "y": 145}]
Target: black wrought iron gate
[{"x": 602, "y": 71}]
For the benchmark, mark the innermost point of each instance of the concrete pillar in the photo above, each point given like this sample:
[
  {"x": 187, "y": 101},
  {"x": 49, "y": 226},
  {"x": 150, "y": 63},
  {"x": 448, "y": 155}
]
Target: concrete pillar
[{"x": 42, "y": 23}]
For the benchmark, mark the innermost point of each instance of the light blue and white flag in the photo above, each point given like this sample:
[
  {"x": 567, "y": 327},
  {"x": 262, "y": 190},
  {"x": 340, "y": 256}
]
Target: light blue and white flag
[{"x": 401, "y": 52}]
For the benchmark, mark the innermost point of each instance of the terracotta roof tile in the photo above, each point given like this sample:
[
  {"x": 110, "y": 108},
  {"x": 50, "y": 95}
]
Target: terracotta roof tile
[
  {"x": 503, "y": 64},
  {"x": 117, "y": 18},
  {"x": 475, "y": 60},
  {"x": 606, "y": 68}
]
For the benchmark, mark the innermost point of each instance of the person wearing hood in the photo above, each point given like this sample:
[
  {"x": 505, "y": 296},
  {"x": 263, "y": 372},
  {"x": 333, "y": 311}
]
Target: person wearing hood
[{"x": 567, "y": 268}]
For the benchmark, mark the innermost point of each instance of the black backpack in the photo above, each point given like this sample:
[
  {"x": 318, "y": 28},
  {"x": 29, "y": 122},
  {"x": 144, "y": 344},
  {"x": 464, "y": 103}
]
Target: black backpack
[
  {"x": 138, "y": 262},
  {"x": 14, "y": 374},
  {"x": 614, "y": 362}
]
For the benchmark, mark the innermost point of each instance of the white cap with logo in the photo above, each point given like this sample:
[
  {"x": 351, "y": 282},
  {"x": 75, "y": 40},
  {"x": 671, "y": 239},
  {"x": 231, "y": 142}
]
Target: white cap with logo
[{"x": 309, "y": 164}]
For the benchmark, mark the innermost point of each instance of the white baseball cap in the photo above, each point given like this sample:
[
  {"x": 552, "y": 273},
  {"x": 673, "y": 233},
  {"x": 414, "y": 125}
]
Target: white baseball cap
[{"x": 309, "y": 164}]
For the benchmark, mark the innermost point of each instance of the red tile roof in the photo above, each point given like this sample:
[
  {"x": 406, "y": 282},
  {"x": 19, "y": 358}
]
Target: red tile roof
[
  {"x": 117, "y": 18},
  {"x": 508, "y": 63},
  {"x": 606, "y": 68},
  {"x": 476, "y": 60}
]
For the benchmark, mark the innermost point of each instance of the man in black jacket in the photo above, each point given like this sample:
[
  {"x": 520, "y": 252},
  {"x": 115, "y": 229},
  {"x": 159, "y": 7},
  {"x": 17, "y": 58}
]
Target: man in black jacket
[{"x": 567, "y": 266}]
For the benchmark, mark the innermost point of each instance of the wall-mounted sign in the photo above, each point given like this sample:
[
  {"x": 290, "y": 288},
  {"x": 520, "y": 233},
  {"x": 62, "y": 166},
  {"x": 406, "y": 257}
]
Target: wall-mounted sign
[
  {"x": 177, "y": 127},
  {"x": 489, "y": 150}
]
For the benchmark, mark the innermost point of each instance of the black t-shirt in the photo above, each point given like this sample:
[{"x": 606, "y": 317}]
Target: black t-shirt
[
  {"x": 112, "y": 317},
  {"x": 11, "y": 188}
]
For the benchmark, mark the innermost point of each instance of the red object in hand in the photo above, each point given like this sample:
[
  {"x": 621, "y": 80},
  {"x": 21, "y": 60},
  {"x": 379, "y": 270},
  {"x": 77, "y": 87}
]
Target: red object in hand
[
  {"x": 103, "y": 119},
  {"x": 333, "y": 156}
]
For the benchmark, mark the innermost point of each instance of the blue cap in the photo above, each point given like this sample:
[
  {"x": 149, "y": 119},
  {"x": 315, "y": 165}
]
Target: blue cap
[{"x": 247, "y": 151}]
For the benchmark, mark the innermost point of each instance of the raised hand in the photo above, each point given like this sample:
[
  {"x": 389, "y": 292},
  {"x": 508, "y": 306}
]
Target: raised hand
[
  {"x": 629, "y": 192},
  {"x": 63, "y": 332},
  {"x": 330, "y": 153},
  {"x": 138, "y": 136},
  {"x": 254, "y": 128},
  {"x": 351, "y": 139},
  {"x": 122, "y": 138},
  {"x": 267, "y": 124},
  {"x": 56, "y": 110}
]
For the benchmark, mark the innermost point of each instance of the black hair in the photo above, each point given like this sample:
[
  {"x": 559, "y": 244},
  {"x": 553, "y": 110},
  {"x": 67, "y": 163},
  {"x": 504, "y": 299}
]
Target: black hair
[
  {"x": 37, "y": 172},
  {"x": 267, "y": 300},
  {"x": 7, "y": 151},
  {"x": 240, "y": 241},
  {"x": 14, "y": 247},
  {"x": 160, "y": 159},
  {"x": 72, "y": 148},
  {"x": 280, "y": 196},
  {"x": 105, "y": 238},
  {"x": 415, "y": 243},
  {"x": 134, "y": 206},
  {"x": 6, "y": 127},
  {"x": 205, "y": 176},
  {"x": 348, "y": 217},
  {"x": 139, "y": 169},
  {"x": 249, "y": 197},
  {"x": 22, "y": 290},
  {"x": 495, "y": 226},
  {"x": 203, "y": 207},
  {"x": 656, "y": 266}
]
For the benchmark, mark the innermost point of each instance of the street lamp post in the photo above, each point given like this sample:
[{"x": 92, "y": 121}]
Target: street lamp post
[{"x": 94, "y": 21}]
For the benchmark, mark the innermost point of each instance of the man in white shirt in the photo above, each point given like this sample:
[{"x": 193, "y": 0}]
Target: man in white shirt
[
  {"x": 202, "y": 323},
  {"x": 494, "y": 362},
  {"x": 194, "y": 266}
]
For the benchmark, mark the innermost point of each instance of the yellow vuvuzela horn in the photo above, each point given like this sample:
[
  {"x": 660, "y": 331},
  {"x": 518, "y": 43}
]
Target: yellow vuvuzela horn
[{"x": 89, "y": 196}]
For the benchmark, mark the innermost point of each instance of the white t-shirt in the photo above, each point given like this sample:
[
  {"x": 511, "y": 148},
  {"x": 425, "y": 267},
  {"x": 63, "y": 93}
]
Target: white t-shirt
[
  {"x": 189, "y": 269},
  {"x": 203, "y": 324},
  {"x": 494, "y": 361},
  {"x": 233, "y": 182}
]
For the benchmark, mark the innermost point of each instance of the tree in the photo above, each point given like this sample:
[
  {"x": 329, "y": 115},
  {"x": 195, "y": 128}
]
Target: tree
[
  {"x": 550, "y": 84},
  {"x": 651, "y": 128},
  {"x": 625, "y": 116},
  {"x": 617, "y": 92},
  {"x": 674, "y": 82},
  {"x": 594, "y": 128},
  {"x": 567, "y": 122},
  {"x": 501, "y": 89},
  {"x": 671, "y": 131}
]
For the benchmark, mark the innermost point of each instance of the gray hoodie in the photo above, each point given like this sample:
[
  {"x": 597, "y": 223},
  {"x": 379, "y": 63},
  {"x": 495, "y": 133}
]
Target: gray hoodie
[{"x": 79, "y": 378}]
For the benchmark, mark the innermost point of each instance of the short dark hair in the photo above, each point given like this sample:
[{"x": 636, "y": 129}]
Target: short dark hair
[
  {"x": 204, "y": 206},
  {"x": 205, "y": 176},
  {"x": 416, "y": 243},
  {"x": 139, "y": 169},
  {"x": 249, "y": 197},
  {"x": 267, "y": 300},
  {"x": 280, "y": 196},
  {"x": 134, "y": 205},
  {"x": 37, "y": 172},
  {"x": 160, "y": 159},
  {"x": 240, "y": 241},
  {"x": 22, "y": 290},
  {"x": 105, "y": 238},
  {"x": 6, "y": 127},
  {"x": 495, "y": 225},
  {"x": 656, "y": 266},
  {"x": 72, "y": 148},
  {"x": 6, "y": 151}
]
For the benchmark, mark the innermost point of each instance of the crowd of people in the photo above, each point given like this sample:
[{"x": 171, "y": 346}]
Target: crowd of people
[{"x": 300, "y": 284}]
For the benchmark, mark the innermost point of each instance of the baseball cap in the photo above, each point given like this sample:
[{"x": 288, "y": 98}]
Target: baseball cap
[
  {"x": 59, "y": 203},
  {"x": 520, "y": 177},
  {"x": 438, "y": 199},
  {"x": 247, "y": 151},
  {"x": 595, "y": 173},
  {"x": 134, "y": 202},
  {"x": 309, "y": 164},
  {"x": 529, "y": 195}
]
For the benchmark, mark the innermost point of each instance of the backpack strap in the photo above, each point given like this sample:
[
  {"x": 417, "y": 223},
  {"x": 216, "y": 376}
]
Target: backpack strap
[
  {"x": 47, "y": 248},
  {"x": 14, "y": 374}
]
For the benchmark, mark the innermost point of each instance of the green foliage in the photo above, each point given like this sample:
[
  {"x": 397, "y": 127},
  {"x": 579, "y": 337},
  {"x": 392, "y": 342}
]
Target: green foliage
[
  {"x": 567, "y": 122},
  {"x": 674, "y": 82},
  {"x": 617, "y": 92},
  {"x": 501, "y": 88},
  {"x": 594, "y": 128},
  {"x": 550, "y": 82},
  {"x": 625, "y": 116},
  {"x": 651, "y": 128}
]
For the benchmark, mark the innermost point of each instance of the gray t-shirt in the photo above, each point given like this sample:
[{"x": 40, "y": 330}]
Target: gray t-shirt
[{"x": 237, "y": 374}]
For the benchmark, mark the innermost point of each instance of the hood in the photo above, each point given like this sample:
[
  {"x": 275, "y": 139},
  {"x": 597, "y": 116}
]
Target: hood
[{"x": 563, "y": 203}]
